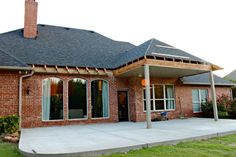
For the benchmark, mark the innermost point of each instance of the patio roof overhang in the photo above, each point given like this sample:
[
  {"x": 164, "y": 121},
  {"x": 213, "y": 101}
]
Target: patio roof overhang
[{"x": 164, "y": 68}]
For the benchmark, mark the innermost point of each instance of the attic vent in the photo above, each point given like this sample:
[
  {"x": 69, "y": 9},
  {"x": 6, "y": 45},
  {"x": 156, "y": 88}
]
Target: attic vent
[
  {"x": 91, "y": 31},
  {"x": 67, "y": 28},
  {"x": 169, "y": 55}
]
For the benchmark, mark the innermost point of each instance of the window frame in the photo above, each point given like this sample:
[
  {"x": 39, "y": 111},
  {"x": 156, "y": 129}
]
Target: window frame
[
  {"x": 108, "y": 94},
  {"x": 55, "y": 120},
  {"x": 163, "y": 99},
  {"x": 199, "y": 99},
  {"x": 67, "y": 116}
]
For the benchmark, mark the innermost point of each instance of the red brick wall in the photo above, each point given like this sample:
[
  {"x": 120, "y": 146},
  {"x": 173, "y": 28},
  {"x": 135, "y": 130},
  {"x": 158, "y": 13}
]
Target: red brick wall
[
  {"x": 32, "y": 103},
  {"x": 8, "y": 93},
  {"x": 123, "y": 84},
  {"x": 183, "y": 97}
]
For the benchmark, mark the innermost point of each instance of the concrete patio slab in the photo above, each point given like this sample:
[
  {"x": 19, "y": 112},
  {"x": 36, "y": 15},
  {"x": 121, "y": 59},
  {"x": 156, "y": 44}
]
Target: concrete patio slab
[{"x": 99, "y": 139}]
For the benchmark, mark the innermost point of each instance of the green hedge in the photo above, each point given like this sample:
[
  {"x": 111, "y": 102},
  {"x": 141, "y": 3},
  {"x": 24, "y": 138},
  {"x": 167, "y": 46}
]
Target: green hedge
[{"x": 9, "y": 124}]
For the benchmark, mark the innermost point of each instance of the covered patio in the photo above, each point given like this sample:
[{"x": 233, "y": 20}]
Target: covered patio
[
  {"x": 158, "y": 65},
  {"x": 99, "y": 139}
]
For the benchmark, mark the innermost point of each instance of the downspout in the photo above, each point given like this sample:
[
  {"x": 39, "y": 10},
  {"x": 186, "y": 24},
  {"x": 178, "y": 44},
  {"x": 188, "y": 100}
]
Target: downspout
[{"x": 20, "y": 96}]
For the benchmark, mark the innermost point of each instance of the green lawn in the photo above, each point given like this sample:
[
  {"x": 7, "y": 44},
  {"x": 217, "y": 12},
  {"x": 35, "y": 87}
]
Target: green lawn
[
  {"x": 215, "y": 147},
  {"x": 9, "y": 150}
]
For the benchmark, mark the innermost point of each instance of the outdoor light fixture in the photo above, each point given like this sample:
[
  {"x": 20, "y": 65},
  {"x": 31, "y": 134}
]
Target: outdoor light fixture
[{"x": 143, "y": 82}]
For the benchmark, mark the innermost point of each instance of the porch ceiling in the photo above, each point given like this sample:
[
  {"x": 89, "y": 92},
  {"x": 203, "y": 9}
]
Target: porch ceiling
[
  {"x": 163, "y": 69},
  {"x": 162, "y": 72}
]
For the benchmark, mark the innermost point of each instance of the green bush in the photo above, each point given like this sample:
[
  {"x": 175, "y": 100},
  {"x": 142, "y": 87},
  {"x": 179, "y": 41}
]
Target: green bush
[
  {"x": 232, "y": 110},
  {"x": 234, "y": 93},
  {"x": 224, "y": 105},
  {"x": 207, "y": 109},
  {"x": 9, "y": 124}
]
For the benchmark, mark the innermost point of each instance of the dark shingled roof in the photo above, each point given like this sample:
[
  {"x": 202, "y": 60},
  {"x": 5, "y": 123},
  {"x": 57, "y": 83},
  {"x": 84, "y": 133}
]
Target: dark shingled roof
[
  {"x": 203, "y": 79},
  {"x": 6, "y": 60},
  {"x": 231, "y": 76},
  {"x": 156, "y": 48},
  {"x": 83, "y": 48},
  {"x": 63, "y": 46}
]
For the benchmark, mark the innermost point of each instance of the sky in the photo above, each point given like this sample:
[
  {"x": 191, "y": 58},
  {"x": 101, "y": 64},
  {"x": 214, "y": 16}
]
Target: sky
[{"x": 205, "y": 28}]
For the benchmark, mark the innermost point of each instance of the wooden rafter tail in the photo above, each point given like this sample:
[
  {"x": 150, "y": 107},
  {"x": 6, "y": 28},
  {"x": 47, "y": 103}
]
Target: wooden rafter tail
[
  {"x": 56, "y": 68},
  {"x": 77, "y": 69},
  {"x": 97, "y": 70},
  {"x": 87, "y": 69},
  {"x": 216, "y": 67},
  {"x": 45, "y": 68},
  {"x": 67, "y": 69},
  {"x": 105, "y": 70}
]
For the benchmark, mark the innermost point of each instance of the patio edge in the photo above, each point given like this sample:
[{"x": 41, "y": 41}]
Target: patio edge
[{"x": 126, "y": 149}]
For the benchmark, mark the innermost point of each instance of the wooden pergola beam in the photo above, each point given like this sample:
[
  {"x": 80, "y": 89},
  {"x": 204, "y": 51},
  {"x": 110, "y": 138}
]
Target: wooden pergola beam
[
  {"x": 165, "y": 63},
  {"x": 178, "y": 65},
  {"x": 129, "y": 67},
  {"x": 69, "y": 70}
]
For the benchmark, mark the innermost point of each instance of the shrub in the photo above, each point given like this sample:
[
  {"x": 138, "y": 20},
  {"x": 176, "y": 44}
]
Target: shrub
[
  {"x": 9, "y": 124},
  {"x": 207, "y": 109},
  {"x": 232, "y": 110},
  {"x": 224, "y": 105}
]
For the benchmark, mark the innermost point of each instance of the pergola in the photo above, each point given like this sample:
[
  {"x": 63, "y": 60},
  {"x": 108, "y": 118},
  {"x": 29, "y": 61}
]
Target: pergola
[{"x": 167, "y": 68}]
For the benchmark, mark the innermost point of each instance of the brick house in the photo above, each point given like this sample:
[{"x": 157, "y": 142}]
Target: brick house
[{"x": 53, "y": 75}]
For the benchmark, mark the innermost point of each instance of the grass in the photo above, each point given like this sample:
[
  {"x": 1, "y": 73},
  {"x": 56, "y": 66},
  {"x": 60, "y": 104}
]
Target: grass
[
  {"x": 9, "y": 150},
  {"x": 214, "y": 147}
]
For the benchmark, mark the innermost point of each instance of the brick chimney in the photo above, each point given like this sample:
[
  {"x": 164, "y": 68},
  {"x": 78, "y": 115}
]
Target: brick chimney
[{"x": 30, "y": 26}]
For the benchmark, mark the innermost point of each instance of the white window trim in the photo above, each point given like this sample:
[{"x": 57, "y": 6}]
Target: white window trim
[
  {"x": 200, "y": 100},
  {"x": 152, "y": 86},
  {"x": 100, "y": 118},
  {"x": 54, "y": 120},
  {"x": 67, "y": 116}
]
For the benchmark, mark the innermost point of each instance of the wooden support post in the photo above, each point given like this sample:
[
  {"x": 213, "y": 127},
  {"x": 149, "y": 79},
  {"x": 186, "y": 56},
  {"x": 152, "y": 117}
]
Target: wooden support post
[
  {"x": 213, "y": 92},
  {"x": 147, "y": 92}
]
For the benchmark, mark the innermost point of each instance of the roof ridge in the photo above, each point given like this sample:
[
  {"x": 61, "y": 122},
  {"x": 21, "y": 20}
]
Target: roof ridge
[
  {"x": 149, "y": 46},
  {"x": 13, "y": 57}
]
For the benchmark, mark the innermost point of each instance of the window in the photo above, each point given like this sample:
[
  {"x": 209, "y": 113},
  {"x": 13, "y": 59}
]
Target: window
[
  {"x": 77, "y": 99},
  {"x": 199, "y": 96},
  {"x": 162, "y": 97},
  {"x": 99, "y": 96},
  {"x": 52, "y": 100}
]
